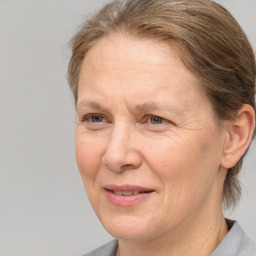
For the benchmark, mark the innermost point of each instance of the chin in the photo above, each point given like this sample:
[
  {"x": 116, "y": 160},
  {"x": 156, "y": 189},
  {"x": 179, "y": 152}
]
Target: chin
[{"x": 130, "y": 228}]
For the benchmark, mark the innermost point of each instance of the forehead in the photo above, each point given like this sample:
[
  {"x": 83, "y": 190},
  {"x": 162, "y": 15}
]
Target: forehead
[
  {"x": 128, "y": 51},
  {"x": 136, "y": 67},
  {"x": 122, "y": 56}
]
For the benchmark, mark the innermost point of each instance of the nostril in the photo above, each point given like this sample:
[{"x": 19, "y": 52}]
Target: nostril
[
  {"x": 113, "y": 163},
  {"x": 121, "y": 154}
]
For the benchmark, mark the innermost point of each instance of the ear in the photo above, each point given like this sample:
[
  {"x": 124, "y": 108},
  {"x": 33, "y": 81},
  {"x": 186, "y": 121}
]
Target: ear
[{"x": 239, "y": 135}]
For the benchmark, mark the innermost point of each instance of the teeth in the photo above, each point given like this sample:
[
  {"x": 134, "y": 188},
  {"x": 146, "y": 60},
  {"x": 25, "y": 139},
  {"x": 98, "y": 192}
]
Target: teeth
[{"x": 126, "y": 193}]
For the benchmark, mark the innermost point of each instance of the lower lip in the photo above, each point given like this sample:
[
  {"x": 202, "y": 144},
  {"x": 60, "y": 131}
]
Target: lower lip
[{"x": 121, "y": 200}]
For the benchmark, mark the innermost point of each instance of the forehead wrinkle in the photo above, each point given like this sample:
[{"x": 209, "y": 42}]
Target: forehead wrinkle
[{"x": 90, "y": 104}]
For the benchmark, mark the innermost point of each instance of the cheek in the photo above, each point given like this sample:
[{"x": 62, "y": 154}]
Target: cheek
[
  {"x": 173, "y": 158},
  {"x": 88, "y": 156},
  {"x": 184, "y": 167}
]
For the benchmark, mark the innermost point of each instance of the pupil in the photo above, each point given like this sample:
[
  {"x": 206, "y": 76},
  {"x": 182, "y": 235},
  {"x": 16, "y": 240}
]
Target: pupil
[
  {"x": 96, "y": 118},
  {"x": 156, "y": 120}
]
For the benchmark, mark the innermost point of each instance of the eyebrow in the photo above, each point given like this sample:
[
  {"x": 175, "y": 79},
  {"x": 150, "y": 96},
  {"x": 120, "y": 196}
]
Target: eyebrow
[
  {"x": 90, "y": 104},
  {"x": 148, "y": 106}
]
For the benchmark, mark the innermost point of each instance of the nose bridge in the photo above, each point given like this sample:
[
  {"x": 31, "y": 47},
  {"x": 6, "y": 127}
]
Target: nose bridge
[
  {"x": 119, "y": 138},
  {"x": 121, "y": 150}
]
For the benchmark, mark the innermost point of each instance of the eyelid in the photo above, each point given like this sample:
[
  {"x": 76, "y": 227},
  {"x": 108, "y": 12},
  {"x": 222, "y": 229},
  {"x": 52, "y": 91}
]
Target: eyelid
[
  {"x": 85, "y": 118},
  {"x": 152, "y": 116}
]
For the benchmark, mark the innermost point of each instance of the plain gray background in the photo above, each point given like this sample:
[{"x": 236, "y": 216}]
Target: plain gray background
[{"x": 43, "y": 208}]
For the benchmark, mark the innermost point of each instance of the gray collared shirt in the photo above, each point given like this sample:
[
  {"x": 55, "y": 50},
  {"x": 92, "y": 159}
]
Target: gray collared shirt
[{"x": 235, "y": 243}]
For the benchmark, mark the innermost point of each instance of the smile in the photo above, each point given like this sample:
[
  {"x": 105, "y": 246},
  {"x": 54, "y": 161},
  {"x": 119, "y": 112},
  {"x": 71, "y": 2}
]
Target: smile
[{"x": 127, "y": 195}]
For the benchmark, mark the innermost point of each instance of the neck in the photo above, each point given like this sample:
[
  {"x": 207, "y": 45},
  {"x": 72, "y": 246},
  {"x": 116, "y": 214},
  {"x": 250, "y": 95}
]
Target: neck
[{"x": 198, "y": 237}]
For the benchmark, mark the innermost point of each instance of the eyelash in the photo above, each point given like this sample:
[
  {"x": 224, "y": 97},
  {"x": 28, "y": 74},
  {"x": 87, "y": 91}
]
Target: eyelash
[{"x": 87, "y": 117}]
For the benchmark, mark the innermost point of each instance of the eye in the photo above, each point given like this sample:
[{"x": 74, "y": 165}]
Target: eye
[
  {"x": 155, "y": 120},
  {"x": 157, "y": 123},
  {"x": 94, "y": 122},
  {"x": 93, "y": 118},
  {"x": 96, "y": 118}
]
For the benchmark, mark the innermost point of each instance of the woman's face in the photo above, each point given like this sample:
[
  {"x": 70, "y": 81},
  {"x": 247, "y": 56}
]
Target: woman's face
[{"x": 147, "y": 144}]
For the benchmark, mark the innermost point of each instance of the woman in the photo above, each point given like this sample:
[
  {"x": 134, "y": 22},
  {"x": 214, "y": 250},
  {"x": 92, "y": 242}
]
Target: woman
[{"x": 164, "y": 92}]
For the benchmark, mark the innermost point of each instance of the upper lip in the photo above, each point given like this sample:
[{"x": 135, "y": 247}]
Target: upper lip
[{"x": 113, "y": 187}]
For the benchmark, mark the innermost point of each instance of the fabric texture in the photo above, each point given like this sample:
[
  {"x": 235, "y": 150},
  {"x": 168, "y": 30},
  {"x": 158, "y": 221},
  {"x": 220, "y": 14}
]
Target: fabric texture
[
  {"x": 108, "y": 249},
  {"x": 235, "y": 243}
]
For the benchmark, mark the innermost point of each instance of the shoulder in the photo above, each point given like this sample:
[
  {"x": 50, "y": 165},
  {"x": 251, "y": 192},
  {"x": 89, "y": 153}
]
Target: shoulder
[
  {"x": 235, "y": 243},
  {"x": 108, "y": 249}
]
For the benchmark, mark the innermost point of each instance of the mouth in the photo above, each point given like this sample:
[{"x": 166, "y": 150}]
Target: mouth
[
  {"x": 128, "y": 192},
  {"x": 127, "y": 195}
]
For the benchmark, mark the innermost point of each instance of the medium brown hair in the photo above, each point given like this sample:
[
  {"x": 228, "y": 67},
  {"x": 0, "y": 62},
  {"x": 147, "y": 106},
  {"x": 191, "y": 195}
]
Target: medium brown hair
[{"x": 208, "y": 39}]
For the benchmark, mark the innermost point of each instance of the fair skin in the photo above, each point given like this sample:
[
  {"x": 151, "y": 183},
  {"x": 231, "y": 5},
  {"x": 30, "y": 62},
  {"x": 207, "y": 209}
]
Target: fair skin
[{"x": 143, "y": 121}]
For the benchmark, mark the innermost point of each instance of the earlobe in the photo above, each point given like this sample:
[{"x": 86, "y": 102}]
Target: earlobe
[{"x": 238, "y": 137}]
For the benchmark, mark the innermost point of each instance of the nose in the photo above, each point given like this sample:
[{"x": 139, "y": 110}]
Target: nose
[{"x": 121, "y": 152}]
